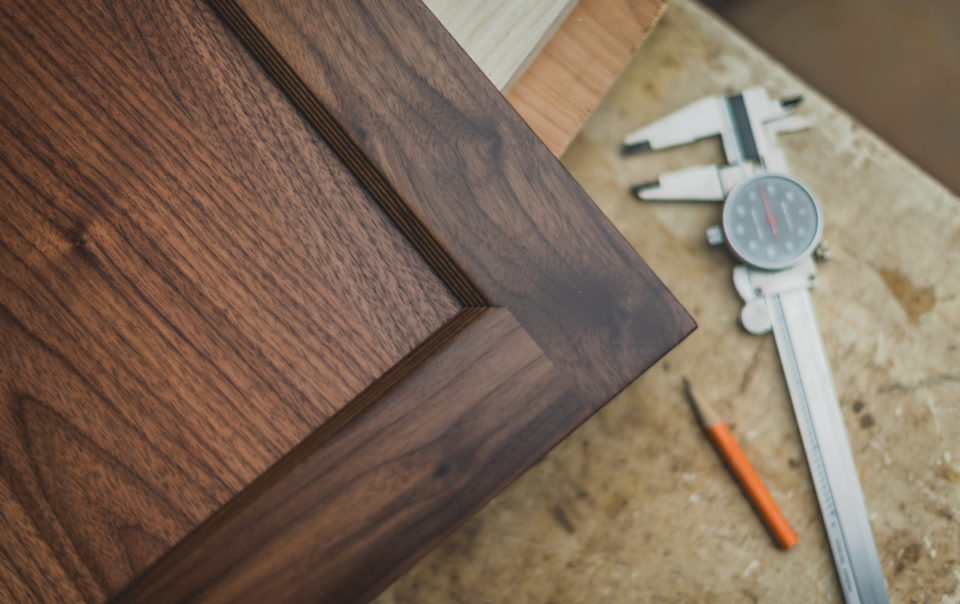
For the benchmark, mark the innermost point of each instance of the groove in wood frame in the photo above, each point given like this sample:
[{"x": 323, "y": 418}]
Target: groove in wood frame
[
  {"x": 329, "y": 429},
  {"x": 344, "y": 146}
]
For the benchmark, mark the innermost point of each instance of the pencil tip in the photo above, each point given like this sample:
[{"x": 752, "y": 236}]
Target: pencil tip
[{"x": 705, "y": 414}]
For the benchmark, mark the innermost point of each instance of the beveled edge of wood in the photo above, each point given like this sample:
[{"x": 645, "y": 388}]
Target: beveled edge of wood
[
  {"x": 330, "y": 428},
  {"x": 428, "y": 455}
]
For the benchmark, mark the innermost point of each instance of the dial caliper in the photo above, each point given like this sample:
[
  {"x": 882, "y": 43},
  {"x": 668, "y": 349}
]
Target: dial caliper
[{"x": 772, "y": 223}]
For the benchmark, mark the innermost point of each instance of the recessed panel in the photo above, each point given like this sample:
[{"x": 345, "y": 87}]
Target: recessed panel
[{"x": 191, "y": 282}]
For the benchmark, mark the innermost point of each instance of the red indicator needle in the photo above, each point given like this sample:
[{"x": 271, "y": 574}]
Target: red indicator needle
[{"x": 766, "y": 207}]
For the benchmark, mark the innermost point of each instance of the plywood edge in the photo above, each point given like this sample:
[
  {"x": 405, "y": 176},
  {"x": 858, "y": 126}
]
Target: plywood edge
[
  {"x": 563, "y": 85},
  {"x": 535, "y": 50}
]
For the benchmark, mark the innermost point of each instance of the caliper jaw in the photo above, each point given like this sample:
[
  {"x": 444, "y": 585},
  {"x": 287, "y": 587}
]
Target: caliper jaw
[
  {"x": 704, "y": 118},
  {"x": 701, "y": 183},
  {"x": 747, "y": 123}
]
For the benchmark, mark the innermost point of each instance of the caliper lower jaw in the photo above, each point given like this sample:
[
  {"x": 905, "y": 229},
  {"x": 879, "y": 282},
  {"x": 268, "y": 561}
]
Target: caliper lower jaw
[
  {"x": 756, "y": 285},
  {"x": 700, "y": 183}
]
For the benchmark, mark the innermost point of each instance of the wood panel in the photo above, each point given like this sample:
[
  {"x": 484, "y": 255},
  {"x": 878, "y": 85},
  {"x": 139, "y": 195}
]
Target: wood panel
[
  {"x": 191, "y": 283},
  {"x": 185, "y": 196},
  {"x": 560, "y": 89},
  {"x": 501, "y": 36},
  {"x": 439, "y": 146}
]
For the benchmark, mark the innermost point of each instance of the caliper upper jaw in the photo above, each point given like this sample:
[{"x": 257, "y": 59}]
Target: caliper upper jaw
[
  {"x": 755, "y": 285},
  {"x": 747, "y": 123},
  {"x": 701, "y": 119}
]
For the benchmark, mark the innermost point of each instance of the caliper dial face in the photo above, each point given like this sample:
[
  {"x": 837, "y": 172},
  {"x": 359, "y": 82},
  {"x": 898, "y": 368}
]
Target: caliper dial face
[{"x": 771, "y": 221}]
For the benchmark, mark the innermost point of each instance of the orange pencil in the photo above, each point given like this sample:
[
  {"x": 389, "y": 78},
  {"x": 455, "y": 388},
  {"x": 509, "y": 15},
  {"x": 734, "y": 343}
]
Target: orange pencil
[{"x": 743, "y": 471}]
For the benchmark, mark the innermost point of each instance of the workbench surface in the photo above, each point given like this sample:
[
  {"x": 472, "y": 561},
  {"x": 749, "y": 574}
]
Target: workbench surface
[{"x": 635, "y": 505}]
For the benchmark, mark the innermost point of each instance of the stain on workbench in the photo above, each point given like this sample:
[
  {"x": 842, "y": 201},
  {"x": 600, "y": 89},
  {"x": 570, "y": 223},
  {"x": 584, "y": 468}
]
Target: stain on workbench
[
  {"x": 930, "y": 381},
  {"x": 909, "y": 555},
  {"x": 949, "y": 474},
  {"x": 866, "y": 421},
  {"x": 751, "y": 367},
  {"x": 561, "y": 517},
  {"x": 916, "y": 301}
]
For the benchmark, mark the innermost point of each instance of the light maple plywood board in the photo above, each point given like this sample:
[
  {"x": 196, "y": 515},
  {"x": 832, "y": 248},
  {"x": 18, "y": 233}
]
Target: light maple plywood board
[
  {"x": 636, "y": 506},
  {"x": 501, "y": 36}
]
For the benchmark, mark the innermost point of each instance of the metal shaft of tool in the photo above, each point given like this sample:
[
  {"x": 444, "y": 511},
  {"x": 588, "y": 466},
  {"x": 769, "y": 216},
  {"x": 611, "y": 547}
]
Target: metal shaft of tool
[{"x": 826, "y": 445}]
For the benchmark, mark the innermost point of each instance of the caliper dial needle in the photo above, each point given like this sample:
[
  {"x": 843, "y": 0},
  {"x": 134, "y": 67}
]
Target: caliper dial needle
[{"x": 766, "y": 207}]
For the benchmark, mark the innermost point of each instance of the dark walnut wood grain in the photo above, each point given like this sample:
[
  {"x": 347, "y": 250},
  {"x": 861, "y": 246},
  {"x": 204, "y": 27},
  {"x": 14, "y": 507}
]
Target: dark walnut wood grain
[
  {"x": 191, "y": 282},
  {"x": 224, "y": 374}
]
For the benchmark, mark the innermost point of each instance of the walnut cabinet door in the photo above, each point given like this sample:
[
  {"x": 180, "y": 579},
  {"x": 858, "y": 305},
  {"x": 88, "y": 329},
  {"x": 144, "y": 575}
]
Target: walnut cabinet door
[{"x": 287, "y": 290}]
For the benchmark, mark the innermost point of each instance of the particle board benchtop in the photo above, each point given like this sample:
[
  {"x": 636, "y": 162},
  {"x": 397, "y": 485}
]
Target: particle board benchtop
[{"x": 635, "y": 506}]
